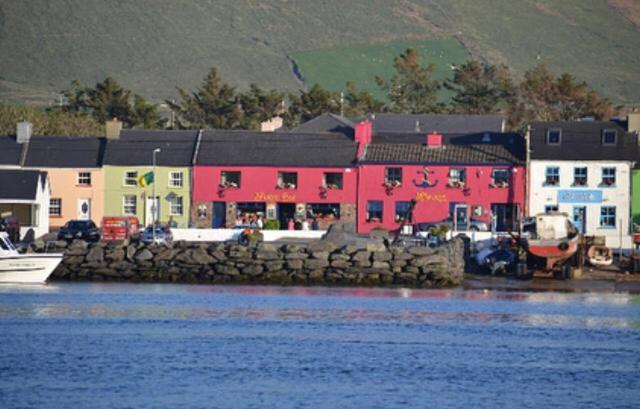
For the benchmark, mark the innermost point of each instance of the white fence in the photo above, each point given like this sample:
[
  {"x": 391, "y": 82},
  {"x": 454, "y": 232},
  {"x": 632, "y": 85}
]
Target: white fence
[{"x": 232, "y": 234}]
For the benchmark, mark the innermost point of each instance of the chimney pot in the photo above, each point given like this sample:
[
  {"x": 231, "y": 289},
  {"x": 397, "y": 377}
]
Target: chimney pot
[
  {"x": 434, "y": 140},
  {"x": 24, "y": 130}
]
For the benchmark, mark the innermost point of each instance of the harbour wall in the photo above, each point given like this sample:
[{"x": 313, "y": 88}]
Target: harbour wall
[{"x": 318, "y": 263}]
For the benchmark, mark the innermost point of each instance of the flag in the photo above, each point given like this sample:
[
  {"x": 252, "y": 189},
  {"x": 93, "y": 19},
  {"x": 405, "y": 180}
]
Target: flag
[{"x": 146, "y": 179}]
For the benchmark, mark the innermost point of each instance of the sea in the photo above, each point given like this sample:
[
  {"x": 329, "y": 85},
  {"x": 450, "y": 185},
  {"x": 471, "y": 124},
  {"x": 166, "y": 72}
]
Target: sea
[{"x": 107, "y": 345}]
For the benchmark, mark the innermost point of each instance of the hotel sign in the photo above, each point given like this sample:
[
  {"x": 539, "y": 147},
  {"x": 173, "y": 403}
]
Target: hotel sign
[{"x": 579, "y": 196}]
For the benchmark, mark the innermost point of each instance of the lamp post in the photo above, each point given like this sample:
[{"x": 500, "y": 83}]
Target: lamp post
[{"x": 154, "y": 205}]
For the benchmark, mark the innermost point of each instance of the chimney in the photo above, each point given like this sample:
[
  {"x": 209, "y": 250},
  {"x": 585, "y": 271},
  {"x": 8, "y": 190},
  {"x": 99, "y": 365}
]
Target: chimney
[
  {"x": 633, "y": 122},
  {"x": 434, "y": 140},
  {"x": 417, "y": 126},
  {"x": 24, "y": 130},
  {"x": 363, "y": 134},
  {"x": 271, "y": 125},
  {"x": 113, "y": 128}
]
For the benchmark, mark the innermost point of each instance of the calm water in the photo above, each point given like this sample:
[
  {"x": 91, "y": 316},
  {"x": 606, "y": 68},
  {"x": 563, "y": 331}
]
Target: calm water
[{"x": 166, "y": 346}]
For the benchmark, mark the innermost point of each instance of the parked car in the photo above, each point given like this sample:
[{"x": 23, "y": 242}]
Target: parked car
[
  {"x": 11, "y": 226},
  {"x": 474, "y": 225},
  {"x": 162, "y": 234},
  {"x": 79, "y": 229},
  {"x": 119, "y": 228}
]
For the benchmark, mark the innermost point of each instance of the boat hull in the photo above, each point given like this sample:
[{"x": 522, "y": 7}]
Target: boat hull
[
  {"x": 28, "y": 268},
  {"x": 553, "y": 251}
]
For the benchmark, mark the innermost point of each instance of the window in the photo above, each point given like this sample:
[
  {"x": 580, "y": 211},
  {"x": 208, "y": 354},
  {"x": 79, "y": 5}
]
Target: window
[
  {"x": 402, "y": 210},
  {"x": 287, "y": 180},
  {"x": 580, "y": 176},
  {"x": 552, "y": 176},
  {"x": 457, "y": 177},
  {"x": 55, "y": 207},
  {"x": 554, "y": 136},
  {"x": 84, "y": 178},
  {"x": 608, "y": 176},
  {"x": 609, "y": 137},
  {"x": 393, "y": 176},
  {"x": 333, "y": 180},
  {"x": 500, "y": 177},
  {"x": 131, "y": 178},
  {"x": 323, "y": 211},
  {"x": 374, "y": 211},
  {"x": 229, "y": 179},
  {"x": 129, "y": 205},
  {"x": 608, "y": 217},
  {"x": 550, "y": 208},
  {"x": 176, "y": 179},
  {"x": 175, "y": 206}
]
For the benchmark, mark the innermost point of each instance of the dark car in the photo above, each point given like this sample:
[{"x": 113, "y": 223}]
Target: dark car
[
  {"x": 473, "y": 224},
  {"x": 162, "y": 235},
  {"x": 11, "y": 226},
  {"x": 79, "y": 229}
]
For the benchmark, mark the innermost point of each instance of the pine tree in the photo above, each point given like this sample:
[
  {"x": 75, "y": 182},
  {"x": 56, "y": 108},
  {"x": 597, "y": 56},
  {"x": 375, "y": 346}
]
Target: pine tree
[{"x": 481, "y": 89}]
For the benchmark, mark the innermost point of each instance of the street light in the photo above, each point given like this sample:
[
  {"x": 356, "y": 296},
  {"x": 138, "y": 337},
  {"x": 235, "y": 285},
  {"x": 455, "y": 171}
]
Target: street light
[{"x": 154, "y": 205}]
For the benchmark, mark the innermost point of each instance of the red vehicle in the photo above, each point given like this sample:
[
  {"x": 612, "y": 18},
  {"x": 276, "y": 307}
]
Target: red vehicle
[{"x": 119, "y": 228}]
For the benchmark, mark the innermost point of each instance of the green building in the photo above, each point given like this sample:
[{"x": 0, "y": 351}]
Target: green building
[{"x": 128, "y": 182}]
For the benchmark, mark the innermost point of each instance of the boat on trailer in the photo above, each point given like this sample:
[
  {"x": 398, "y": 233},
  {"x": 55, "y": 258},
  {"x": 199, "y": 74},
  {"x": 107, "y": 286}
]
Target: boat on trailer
[
  {"x": 555, "y": 239},
  {"x": 600, "y": 256},
  {"x": 16, "y": 268}
]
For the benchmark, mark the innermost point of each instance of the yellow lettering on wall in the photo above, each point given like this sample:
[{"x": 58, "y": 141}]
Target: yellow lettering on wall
[
  {"x": 429, "y": 197},
  {"x": 272, "y": 198}
]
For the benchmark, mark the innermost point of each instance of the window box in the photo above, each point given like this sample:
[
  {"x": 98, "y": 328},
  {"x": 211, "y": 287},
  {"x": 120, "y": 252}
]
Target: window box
[
  {"x": 229, "y": 185},
  {"x": 229, "y": 180},
  {"x": 332, "y": 180},
  {"x": 287, "y": 180},
  {"x": 285, "y": 186},
  {"x": 456, "y": 184},
  {"x": 499, "y": 185}
]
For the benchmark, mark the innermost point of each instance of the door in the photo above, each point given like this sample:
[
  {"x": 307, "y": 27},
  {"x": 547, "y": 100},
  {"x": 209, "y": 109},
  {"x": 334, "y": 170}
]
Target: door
[
  {"x": 504, "y": 217},
  {"x": 580, "y": 218},
  {"x": 219, "y": 219},
  {"x": 460, "y": 216},
  {"x": 84, "y": 209},
  {"x": 152, "y": 210},
  {"x": 286, "y": 211}
]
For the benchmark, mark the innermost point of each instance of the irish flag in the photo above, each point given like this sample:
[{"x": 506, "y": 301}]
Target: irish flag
[{"x": 146, "y": 179}]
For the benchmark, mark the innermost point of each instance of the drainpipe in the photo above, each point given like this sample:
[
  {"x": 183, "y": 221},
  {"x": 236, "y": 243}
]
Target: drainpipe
[
  {"x": 194, "y": 160},
  {"x": 527, "y": 172}
]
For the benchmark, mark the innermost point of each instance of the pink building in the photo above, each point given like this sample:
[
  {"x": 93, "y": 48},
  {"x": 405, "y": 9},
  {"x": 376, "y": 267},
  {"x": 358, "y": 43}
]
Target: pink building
[
  {"x": 240, "y": 175},
  {"x": 474, "y": 180}
]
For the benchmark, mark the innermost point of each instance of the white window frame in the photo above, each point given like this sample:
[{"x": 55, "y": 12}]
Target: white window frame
[
  {"x": 59, "y": 207},
  {"x": 173, "y": 179},
  {"x": 124, "y": 205},
  {"x": 176, "y": 203},
  {"x": 127, "y": 178},
  {"x": 84, "y": 178}
]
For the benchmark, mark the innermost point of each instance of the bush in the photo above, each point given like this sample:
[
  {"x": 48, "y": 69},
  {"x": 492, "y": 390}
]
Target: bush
[{"x": 272, "y": 225}]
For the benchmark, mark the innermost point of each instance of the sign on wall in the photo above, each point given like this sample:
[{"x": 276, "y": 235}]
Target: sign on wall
[{"x": 579, "y": 196}]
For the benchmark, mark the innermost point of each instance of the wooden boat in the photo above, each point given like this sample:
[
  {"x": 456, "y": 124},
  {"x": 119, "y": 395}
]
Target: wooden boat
[
  {"x": 555, "y": 239},
  {"x": 600, "y": 256}
]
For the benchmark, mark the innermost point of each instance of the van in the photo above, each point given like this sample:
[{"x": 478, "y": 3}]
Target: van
[{"x": 119, "y": 228}]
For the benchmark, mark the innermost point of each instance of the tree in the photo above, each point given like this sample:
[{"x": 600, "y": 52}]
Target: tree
[
  {"x": 109, "y": 100},
  {"x": 360, "y": 103},
  {"x": 259, "y": 105},
  {"x": 412, "y": 90},
  {"x": 215, "y": 105},
  {"x": 145, "y": 115},
  {"x": 310, "y": 104},
  {"x": 481, "y": 89},
  {"x": 48, "y": 123}
]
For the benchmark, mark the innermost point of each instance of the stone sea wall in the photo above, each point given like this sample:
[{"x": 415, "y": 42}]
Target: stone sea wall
[{"x": 318, "y": 263}]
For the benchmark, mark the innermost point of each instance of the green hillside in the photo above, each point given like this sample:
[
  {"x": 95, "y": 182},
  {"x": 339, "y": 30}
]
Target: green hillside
[
  {"x": 332, "y": 67},
  {"x": 152, "y": 46}
]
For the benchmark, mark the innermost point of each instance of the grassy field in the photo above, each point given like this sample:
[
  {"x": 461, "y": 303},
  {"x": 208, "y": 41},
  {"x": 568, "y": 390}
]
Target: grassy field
[
  {"x": 154, "y": 46},
  {"x": 332, "y": 67}
]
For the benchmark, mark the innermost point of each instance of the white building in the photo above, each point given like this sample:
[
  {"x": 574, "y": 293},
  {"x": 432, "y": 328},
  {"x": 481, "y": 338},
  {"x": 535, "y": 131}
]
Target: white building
[
  {"x": 584, "y": 169},
  {"x": 25, "y": 194}
]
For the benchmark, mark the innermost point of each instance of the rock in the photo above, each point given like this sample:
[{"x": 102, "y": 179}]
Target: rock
[
  {"x": 116, "y": 254},
  {"x": 350, "y": 249},
  {"x": 143, "y": 255},
  {"x": 267, "y": 247},
  {"x": 96, "y": 254},
  {"x": 296, "y": 256},
  {"x": 341, "y": 234},
  {"x": 165, "y": 255},
  {"x": 59, "y": 244},
  {"x": 316, "y": 275},
  {"x": 365, "y": 263},
  {"x": 382, "y": 256},
  {"x": 403, "y": 256},
  {"x": 322, "y": 255},
  {"x": 314, "y": 264},
  {"x": 131, "y": 251},
  {"x": 377, "y": 246},
  {"x": 253, "y": 270},
  {"x": 78, "y": 244},
  {"x": 200, "y": 256},
  {"x": 361, "y": 256},
  {"x": 381, "y": 265},
  {"x": 290, "y": 248},
  {"x": 267, "y": 255},
  {"x": 340, "y": 256},
  {"x": 421, "y": 250},
  {"x": 340, "y": 264},
  {"x": 218, "y": 255},
  {"x": 320, "y": 246},
  {"x": 273, "y": 265},
  {"x": 295, "y": 264}
]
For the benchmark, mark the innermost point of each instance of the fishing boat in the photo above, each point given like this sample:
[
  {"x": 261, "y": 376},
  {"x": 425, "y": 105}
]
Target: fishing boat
[
  {"x": 554, "y": 238},
  {"x": 19, "y": 268},
  {"x": 600, "y": 256}
]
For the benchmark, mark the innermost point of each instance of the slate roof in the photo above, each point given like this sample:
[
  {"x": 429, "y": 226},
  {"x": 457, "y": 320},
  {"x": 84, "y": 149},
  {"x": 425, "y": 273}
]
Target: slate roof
[
  {"x": 251, "y": 148},
  {"x": 10, "y": 151},
  {"x": 582, "y": 140},
  {"x": 425, "y": 123},
  {"x": 327, "y": 123},
  {"x": 20, "y": 184},
  {"x": 485, "y": 148},
  {"x": 135, "y": 147},
  {"x": 65, "y": 152}
]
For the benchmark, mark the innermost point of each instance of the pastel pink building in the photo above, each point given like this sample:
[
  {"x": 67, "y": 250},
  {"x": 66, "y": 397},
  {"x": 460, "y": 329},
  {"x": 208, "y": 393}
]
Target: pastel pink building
[
  {"x": 240, "y": 175},
  {"x": 473, "y": 181}
]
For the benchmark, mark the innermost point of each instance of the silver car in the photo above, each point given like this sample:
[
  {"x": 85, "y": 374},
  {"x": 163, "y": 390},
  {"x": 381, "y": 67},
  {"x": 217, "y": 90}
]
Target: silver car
[{"x": 163, "y": 235}]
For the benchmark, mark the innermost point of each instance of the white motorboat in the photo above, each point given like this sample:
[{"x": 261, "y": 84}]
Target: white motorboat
[{"x": 18, "y": 268}]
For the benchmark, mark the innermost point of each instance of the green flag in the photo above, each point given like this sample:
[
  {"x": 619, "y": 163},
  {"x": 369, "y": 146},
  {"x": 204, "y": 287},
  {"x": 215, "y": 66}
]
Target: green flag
[{"x": 146, "y": 179}]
